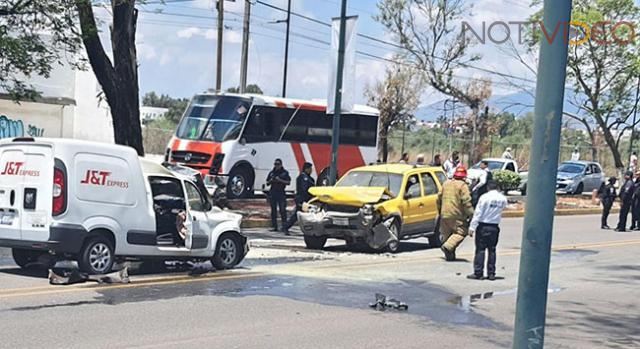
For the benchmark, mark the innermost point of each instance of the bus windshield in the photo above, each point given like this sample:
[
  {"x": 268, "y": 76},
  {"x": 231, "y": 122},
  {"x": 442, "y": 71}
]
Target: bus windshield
[{"x": 214, "y": 118}]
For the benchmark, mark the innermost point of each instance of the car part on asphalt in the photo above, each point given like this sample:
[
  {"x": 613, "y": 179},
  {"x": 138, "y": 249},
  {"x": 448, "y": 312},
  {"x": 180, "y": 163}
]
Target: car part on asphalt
[
  {"x": 383, "y": 303},
  {"x": 74, "y": 276}
]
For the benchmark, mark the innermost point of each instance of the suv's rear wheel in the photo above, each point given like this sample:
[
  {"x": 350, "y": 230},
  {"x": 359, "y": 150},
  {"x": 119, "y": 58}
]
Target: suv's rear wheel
[
  {"x": 97, "y": 256},
  {"x": 435, "y": 240},
  {"x": 228, "y": 252},
  {"x": 315, "y": 242},
  {"x": 25, "y": 258}
]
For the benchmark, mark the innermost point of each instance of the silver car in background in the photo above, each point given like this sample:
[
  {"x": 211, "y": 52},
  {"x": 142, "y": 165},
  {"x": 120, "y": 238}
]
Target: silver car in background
[{"x": 577, "y": 177}]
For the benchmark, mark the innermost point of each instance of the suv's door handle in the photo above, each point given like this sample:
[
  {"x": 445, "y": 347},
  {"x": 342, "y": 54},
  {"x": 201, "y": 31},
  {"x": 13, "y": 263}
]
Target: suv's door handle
[
  {"x": 194, "y": 218},
  {"x": 421, "y": 205}
]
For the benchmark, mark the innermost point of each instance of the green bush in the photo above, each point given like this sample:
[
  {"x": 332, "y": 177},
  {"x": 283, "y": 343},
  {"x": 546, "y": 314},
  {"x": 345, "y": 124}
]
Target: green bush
[{"x": 507, "y": 180}]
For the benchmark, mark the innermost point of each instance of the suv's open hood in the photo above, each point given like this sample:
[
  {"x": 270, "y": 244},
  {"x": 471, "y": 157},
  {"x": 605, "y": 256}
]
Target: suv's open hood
[{"x": 350, "y": 196}]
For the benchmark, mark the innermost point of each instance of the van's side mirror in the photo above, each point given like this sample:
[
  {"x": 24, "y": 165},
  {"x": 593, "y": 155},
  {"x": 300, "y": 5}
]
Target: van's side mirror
[
  {"x": 208, "y": 206},
  {"x": 243, "y": 141},
  {"x": 407, "y": 196}
]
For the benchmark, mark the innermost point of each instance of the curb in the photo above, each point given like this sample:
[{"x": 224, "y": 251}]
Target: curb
[{"x": 266, "y": 223}]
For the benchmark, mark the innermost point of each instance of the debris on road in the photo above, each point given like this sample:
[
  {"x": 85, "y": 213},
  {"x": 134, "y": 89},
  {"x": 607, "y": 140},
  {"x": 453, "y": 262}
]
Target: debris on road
[
  {"x": 74, "y": 276},
  {"x": 383, "y": 303}
]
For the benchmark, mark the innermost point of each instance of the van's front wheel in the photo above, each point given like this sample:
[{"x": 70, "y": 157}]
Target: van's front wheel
[
  {"x": 97, "y": 256},
  {"x": 228, "y": 252}
]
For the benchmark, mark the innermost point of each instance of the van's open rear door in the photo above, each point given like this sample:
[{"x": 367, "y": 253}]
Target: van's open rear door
[{"x": 26, "y": 184}]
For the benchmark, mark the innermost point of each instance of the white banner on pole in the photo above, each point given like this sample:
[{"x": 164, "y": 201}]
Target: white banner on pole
[{"x": 349, "y": 71}]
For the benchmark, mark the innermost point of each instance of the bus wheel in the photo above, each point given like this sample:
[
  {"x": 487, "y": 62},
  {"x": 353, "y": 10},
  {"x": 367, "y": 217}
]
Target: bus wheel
[{"x": 240, "y": 183}]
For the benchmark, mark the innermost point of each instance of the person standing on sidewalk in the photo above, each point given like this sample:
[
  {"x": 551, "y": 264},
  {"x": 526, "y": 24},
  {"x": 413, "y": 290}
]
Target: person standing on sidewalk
[
  {"x": 278, "y": 179},
  {"x": 635, "y": 204},
  {"x": 626, "y": 200},
  {"x": 486, "y": 226},
  {"x": 303, "y": 183},
  {"x": 454, "y": 206},
  {"x": 607, "y": 194}
]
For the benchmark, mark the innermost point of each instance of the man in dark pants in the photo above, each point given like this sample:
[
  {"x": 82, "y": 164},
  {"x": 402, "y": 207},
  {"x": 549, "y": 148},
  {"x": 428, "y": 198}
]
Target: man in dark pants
[
  {"x": 635, "y": 204},
  {"x": 607, "y": 195},
  {"x": 626, "y": 200},
  {"x": 486, "y": 226},
  {"x": 303, "y": 183},
  {"x": 278, "y": 179}
]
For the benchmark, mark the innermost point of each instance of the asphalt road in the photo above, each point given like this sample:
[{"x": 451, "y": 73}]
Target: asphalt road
[{"x": 285, "y": 296}]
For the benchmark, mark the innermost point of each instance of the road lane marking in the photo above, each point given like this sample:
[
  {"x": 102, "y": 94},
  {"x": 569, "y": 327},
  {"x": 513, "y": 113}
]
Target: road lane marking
[
  {"x": 34, "y": 291},
  {"x": 181, "y": 279}
]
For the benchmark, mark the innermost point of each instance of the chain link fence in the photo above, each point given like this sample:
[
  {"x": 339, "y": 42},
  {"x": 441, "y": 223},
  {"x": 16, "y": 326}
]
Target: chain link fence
[{"x": 433, "y": 143}]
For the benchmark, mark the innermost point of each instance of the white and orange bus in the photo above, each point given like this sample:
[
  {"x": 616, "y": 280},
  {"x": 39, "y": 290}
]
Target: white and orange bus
[{"x": 239, "y": 136}]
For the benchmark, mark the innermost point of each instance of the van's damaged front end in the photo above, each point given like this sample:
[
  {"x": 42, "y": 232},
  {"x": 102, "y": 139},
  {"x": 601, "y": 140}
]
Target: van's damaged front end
[{"x": 355, "y": 215}]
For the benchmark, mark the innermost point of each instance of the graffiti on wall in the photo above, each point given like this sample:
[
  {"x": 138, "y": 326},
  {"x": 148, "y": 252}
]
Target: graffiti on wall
[{"x": 15, "y": 128}]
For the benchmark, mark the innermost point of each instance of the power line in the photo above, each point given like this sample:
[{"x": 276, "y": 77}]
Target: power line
[{"x": 368, "y": 37}]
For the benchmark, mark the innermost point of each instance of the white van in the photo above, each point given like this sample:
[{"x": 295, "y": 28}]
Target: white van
[{"x": 98, "y": 203}]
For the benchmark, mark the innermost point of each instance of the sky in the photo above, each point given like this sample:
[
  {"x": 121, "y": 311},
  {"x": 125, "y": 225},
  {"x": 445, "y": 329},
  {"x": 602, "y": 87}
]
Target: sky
[{"x": 176, "y": 43}]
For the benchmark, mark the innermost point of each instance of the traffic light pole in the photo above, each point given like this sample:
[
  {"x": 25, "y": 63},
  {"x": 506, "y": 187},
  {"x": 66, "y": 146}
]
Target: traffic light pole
[
  {"x": 335, "y": 139},
  {"x": 533, "y": 278}
]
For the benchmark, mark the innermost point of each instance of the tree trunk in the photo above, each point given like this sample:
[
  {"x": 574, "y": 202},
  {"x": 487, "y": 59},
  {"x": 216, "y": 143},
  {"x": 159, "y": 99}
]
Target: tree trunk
[
  {"x": 119, "y": 80},
  {"x": 611, "y": 142}
]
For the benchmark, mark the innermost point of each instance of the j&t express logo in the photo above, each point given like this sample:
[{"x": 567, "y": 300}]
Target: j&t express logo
[
  {"x": 102, "y": 178},
  {"x": 15, "y": 168}
]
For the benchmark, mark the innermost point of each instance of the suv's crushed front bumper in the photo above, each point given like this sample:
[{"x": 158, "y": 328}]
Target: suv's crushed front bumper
[{"x": 351, "y": 227}]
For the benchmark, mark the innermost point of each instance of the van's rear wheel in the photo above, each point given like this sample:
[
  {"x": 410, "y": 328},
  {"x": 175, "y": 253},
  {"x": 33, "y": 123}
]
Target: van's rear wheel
[
  {"x": 25, "y": 258},
  {"x": 97, "y": 256},
  {"x": 228, "y": 252}
]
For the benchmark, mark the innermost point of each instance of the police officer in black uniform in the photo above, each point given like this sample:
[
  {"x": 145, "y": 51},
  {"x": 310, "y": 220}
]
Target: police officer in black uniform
[
  {"x": 607, "y": 195},
  {"x": 278, "y": 179},
  {"x": 626, "y": 200},
  {"x": 303, "y": 183}
]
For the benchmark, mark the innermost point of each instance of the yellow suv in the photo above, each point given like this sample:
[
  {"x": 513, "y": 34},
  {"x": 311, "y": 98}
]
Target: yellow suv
[{"x": 378, "y": 205}]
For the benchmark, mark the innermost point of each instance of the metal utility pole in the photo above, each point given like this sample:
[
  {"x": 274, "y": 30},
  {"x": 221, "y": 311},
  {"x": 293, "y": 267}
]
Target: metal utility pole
[
  {"x": 533, "y": 278},
  {"x": 286, "y": 51},
  {"x": 635, "y": 113},
  {"x": 335, "y": 139},
  {"x": 219, "y": 50},
  {"x": 244, "y": 60}
]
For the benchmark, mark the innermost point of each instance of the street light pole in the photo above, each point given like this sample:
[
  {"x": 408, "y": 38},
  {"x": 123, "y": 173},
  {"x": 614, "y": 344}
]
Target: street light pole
[
  {"x": 335, "y": 139},
  {"x": 533, "y": 278},
  {"x": 286, "y": 51},
  {"x": 244, "y": 60},
  {"x": 219, "y": 50}
]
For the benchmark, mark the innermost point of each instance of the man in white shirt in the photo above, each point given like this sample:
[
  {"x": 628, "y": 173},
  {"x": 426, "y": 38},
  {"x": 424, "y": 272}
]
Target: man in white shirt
[
  {"x": 451, "y": 164},
  {"x": 575, "y": 156},
  {"x": 481, "y": 187},
  {"x": 485, "y": 225},
  {"x": 507, "y": 154}
]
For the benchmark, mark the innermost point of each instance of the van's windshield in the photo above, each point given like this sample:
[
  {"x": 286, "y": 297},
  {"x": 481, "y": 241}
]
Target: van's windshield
[{"x": 214, "y": 118}]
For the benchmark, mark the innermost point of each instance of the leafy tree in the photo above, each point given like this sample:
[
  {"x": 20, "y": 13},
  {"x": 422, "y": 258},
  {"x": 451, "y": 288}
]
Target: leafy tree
[
  {"x": 25, "y": 51},
  {"x": 119, "y": 79},
  {"x": 251, "y": 88},
  {"x": 396, "y": 97},
  {"x": 603, "y": 70},
  {"x": 176, "y": 106},
  {"x": 426, "y": 29}
]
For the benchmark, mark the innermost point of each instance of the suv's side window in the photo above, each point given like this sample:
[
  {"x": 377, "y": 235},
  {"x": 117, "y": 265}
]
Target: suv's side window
[
  {"x": 596, "y": 169},
  {"x": 196, "y": 201},
  {"x": 430, "y": 187},
  {"x": 441, "y": 177},
  {"x": 510, "y": 167},
  {"x": 413, "y": 186}
]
